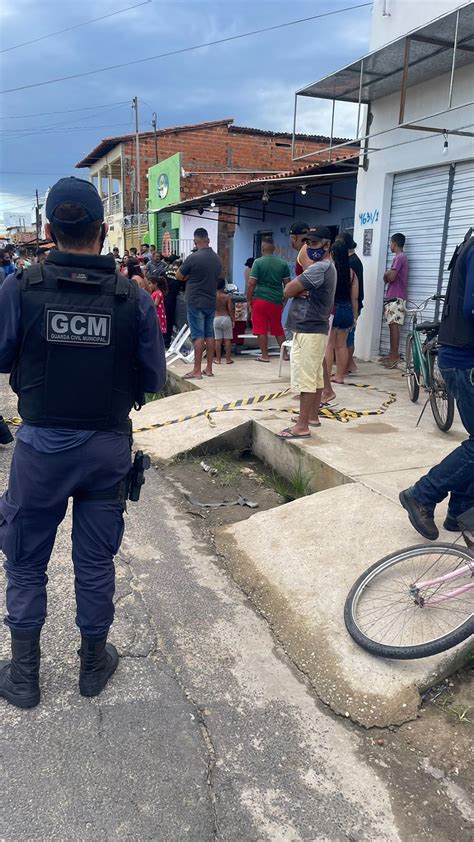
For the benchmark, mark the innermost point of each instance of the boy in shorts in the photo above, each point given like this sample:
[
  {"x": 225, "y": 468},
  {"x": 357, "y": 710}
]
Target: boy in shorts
[{"x": 224, "y": 321}]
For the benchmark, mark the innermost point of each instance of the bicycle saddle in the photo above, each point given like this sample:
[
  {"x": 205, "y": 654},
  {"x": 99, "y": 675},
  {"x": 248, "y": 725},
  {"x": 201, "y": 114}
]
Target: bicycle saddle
[{"x": 427, "y": 326}]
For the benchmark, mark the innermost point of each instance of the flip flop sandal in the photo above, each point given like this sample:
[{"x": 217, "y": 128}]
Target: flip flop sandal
[
  {"x": 310, "y": 423},
  {"x": 191, "y": 376},
  {"x": 292, "y": 435},
  {"x": 207, "y": 374},
  {"x": 259, "y": 360}
]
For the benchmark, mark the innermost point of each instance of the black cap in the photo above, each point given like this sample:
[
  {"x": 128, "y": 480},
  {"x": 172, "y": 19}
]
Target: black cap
[
  {"x": 319, "y": 232},
  {"x": 299, "y": 227},
  {"x": 80, "y": 192}
]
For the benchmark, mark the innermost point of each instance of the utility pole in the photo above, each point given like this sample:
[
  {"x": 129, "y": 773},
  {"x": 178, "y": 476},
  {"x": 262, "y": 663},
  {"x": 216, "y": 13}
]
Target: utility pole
[
  {"x": 137, "y": 169},
  {"x": 37, "y": 219},
  {"x": 154, "y": 118}
]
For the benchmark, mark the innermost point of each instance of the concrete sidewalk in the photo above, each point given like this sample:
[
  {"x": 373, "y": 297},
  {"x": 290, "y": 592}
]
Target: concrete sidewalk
[{"x": 298, "y": 562}]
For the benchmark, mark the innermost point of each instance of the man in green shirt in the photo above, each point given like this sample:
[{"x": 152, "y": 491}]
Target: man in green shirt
[{"x": 268, "y": 277}]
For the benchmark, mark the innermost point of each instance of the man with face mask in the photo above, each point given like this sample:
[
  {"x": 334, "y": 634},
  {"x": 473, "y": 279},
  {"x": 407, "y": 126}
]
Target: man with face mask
[
  {"x": 312, "y": 295},
  {"x": 82, "y": 344}
]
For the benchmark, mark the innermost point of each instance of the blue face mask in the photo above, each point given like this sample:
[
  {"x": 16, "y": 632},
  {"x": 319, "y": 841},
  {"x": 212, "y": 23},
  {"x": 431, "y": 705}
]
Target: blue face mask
[{"x": 315, "y": 254}]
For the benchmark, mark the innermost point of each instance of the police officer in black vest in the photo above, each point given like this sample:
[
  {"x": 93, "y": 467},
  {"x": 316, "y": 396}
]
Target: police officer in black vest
[
  {"x": 82, "y": 343},
  {"x": 455, "y": 474}
]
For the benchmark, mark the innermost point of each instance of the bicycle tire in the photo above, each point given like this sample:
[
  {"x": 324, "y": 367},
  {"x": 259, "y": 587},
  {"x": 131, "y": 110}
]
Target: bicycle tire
[
  {"x": 413, "y": 385},
  {"x": 444, "y": 423},
  {"x": 423, "y": 650}
]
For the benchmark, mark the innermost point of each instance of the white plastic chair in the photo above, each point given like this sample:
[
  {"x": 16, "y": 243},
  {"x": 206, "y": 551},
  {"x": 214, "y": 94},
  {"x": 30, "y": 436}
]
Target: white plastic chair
[
  {"x": 288, "y": 343},
  {"x": 174, "y": 352}
]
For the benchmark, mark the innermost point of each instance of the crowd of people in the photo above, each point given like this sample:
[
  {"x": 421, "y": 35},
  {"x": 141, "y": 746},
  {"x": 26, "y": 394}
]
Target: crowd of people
[{"x": 76, "y": 388}]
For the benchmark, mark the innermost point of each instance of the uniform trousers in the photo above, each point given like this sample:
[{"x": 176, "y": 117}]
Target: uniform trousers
[{"x": 31, "y": 510}]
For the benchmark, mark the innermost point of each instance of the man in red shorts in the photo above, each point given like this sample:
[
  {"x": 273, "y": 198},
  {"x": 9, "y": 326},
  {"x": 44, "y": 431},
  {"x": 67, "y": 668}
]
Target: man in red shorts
[{"x": 268, "y": 276}]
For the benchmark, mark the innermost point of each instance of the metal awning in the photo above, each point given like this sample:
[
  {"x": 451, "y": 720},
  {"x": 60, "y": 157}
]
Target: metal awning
[
  {"x": 380, "y": 73},
  {"x": 311, "y": 177},
  {"x": 442, "y": 46}
]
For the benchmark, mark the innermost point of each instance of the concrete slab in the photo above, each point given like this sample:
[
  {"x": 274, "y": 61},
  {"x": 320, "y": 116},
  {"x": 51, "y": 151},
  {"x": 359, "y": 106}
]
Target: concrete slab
[
  {"x": 297, "y": 564},
  {"x": 166, "y": 443}
]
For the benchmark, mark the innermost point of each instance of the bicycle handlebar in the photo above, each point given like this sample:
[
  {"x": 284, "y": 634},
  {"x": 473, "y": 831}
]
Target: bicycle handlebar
[{"x": 418, "y": 308}]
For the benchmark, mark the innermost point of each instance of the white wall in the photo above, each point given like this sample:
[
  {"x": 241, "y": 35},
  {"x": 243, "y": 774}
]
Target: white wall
[
  {"x": 375, "y": 186},
  {"x": 404, "y": 15},
  {"x": 192, "y": 220}
]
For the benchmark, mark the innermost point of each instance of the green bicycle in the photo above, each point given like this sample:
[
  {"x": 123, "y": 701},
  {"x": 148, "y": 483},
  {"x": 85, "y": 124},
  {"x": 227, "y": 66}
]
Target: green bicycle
[{"x": 422, "y": 368}]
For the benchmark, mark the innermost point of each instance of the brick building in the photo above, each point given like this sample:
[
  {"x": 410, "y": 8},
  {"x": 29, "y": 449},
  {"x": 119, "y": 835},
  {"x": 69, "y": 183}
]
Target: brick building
[{"x": 213, "y": 155}]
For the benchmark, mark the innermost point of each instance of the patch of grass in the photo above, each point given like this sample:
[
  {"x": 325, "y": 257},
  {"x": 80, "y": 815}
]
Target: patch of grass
[
  {"x": 298, "y": 485},
  {"x": 165, "y": 392},
  {"x": 459, "y": 710}
]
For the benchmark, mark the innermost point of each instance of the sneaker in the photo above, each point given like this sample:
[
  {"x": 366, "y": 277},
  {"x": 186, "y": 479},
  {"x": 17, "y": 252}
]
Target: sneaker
[
  {"x": 451, "y": 524},
  {"x": 421, "y": 518}
]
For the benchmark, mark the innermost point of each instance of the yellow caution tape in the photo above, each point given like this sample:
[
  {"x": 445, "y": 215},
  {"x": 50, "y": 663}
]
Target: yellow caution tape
[{"x": 343, "y": 415}]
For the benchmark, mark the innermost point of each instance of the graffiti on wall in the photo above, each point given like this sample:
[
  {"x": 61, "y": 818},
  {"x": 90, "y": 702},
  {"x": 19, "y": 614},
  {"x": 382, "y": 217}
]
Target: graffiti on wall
[{"x": 369, "y": 217}]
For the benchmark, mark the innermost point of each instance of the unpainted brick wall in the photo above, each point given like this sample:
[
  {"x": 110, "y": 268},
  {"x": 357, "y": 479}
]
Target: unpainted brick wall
[{"x": 212, "y": 148}]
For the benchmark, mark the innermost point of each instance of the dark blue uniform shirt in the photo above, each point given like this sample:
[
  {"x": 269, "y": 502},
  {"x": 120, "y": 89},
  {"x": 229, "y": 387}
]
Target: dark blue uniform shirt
[{"x": 151, "y": 356}]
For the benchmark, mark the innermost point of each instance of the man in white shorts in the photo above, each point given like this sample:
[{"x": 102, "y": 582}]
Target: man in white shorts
[{"x": 308, "y": 317}]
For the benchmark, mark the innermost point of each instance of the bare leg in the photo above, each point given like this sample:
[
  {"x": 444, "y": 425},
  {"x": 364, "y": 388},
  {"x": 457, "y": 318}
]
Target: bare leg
[
  {"x": 210, "y": 351},
  {"x": 280, "y": 340},
  {"x": 351, "y": 366},
  {"x": 342, "y": 355},
  {"x": 328, "y": 392},
  {"x": 393, "y": 356},
  {"x": 228, "y": 351},
  {"x": 263, "y": 343},
  {"x": 309, "y": 408},
  {"x": 218, "y": 351},
  {"x": 198, "y": 352}
]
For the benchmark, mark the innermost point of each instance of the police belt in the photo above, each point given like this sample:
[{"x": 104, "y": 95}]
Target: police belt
[{"x": 129, "y": 488}]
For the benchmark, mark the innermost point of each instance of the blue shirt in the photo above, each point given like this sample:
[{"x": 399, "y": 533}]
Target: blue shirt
[{"x": 150, "y": 352}]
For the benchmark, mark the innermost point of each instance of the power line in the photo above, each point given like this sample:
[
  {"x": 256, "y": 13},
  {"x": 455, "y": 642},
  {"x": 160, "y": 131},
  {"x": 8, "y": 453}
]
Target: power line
[
  {"x": 76, "y": 26},
  {"x": 24, "y": 172},
  {"x": 185, "y": 49},
  {"x": 56, "y": 130},
  {"x": 68, "y": 111}
]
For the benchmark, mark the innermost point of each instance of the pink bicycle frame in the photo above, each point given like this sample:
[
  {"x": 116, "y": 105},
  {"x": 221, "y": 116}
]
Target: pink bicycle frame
[{"x": 456, "y": 574}]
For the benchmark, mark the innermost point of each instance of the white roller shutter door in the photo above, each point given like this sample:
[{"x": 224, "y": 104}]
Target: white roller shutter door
[{"x": 418, "y": 211}]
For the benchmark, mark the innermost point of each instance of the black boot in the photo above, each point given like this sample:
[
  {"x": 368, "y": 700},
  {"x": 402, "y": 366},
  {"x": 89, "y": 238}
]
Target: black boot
[
  {"x": 5, "y": 434},
  {"x": 420, "y": 516},
  {"x": 19, "y": 678},
  {"x": 451, "y": 524},
  {"x": 99, "y": 660}
]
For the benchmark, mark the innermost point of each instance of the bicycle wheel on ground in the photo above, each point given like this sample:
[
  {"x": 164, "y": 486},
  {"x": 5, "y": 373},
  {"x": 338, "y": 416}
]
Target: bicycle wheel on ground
[
  {"x": 441, "y": 401},
  {"x": 413, "y": 385},
  {"x": 399, "y": 608}
]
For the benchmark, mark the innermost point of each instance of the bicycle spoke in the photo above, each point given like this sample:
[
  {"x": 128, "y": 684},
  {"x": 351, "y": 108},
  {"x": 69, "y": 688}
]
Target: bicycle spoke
[{"x": 388, "y": 609}]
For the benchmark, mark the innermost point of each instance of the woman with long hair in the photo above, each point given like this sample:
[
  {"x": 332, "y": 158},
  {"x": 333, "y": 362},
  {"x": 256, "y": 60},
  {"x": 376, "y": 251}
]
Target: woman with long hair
[
  {"x": 345, "y": 311},
  {"x": 135, "y": 273}
]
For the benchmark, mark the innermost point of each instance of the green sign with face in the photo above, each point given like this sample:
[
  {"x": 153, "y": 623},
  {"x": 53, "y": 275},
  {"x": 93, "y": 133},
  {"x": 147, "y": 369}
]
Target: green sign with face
[{"x": 164, "y": 183}]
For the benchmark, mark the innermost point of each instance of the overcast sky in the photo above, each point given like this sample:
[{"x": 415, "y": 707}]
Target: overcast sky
[{"x": 252, "y": 80}]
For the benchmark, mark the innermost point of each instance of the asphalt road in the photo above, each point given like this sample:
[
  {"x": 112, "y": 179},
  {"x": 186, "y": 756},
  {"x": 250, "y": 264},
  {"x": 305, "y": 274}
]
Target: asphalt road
[{"x": 206, "y": 732}]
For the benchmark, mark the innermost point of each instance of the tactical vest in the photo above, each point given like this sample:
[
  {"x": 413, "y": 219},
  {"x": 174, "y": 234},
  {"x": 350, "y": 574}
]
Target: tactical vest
[
  {"x": 456, "y": 328},
  {"x": 77, "y": 366}
]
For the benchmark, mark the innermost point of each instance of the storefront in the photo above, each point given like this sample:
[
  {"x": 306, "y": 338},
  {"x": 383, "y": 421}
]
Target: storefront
[
  {"x": 321, "y": 195},
  {"x": 413, "y": 115},
  {"x": 435, "y": 207}
]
